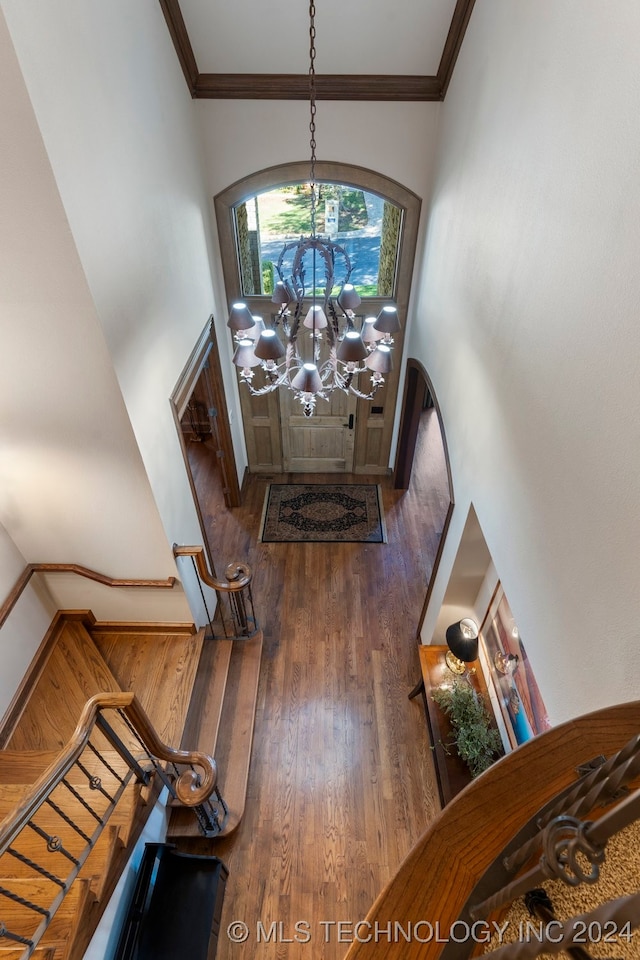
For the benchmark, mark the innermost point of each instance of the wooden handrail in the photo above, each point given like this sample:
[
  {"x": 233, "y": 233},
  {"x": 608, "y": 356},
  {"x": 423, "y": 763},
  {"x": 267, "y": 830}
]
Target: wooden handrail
[
  {"x": 81, "y": 571},
  {"x": 440, "y": 873},
  {"x": 238, "y": 574},
  {"x": 188, "y": 789}
]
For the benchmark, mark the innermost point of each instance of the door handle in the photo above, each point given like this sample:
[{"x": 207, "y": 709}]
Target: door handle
[{"x": 350, "y": 424}]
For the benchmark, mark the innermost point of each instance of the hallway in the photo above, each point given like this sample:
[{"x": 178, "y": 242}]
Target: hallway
[{"x": 341, "y": 783}]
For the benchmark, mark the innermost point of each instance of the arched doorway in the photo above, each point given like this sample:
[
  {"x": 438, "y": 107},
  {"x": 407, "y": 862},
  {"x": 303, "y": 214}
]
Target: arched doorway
[{"x": 274, "y": 436}]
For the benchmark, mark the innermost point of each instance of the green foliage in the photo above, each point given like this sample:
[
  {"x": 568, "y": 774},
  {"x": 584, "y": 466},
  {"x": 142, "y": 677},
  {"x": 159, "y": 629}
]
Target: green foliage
[
  {"x": 267, "y": 276},
  {"x": 477, "y": 742},
  {"x": 287, "y": 210}
]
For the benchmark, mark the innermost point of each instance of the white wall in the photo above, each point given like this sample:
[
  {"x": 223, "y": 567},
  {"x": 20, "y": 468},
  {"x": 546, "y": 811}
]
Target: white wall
[
  {"x": 117, "y": 122},
  {"x": 26, "y": 625},
  {"x": 73, "y": 486},
  {"x": 243, "y": 136},
  {"x": 529, "y": 328}
]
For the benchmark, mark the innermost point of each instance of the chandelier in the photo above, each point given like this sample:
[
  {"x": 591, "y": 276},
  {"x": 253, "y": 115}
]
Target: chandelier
[{"x": 327, "y": 347}]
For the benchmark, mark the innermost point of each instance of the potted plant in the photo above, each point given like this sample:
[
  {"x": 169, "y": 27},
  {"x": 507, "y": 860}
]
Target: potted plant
[{"x": 477, "y": 742}]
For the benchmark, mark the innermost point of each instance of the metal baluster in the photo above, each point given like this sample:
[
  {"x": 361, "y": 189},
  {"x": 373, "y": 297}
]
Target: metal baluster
[
  {"x": 105, "y": 762},
  {"x": 54, "y": 844},
  {"x": 24, "y": 903},
  {"x": 35, "y": 866},
  {"x": 67, "y": 819},
  {"x": 81, "y": 799},
  {"x": 121, "y": 747},
  {"x": 14, "y": 937}
]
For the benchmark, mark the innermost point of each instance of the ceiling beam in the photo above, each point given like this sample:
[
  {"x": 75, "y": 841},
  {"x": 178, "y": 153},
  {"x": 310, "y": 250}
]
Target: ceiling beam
[
  {"x": 181, "y": 41},
  {"x": 457, "y": 30},
  {"x": 290, "y": 86},
  {"x": 285, "y": 86}
]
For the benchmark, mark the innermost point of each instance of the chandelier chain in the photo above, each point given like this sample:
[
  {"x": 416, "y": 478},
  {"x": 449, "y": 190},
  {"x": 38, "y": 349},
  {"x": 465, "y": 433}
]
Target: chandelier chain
[
  {"x": 312, "y": 111},
  {"x": 339, "y": 353}
]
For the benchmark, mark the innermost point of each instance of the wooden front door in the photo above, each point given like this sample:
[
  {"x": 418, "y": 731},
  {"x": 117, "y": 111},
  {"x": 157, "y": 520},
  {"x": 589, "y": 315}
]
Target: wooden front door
[{"x": 323, "y": 443}]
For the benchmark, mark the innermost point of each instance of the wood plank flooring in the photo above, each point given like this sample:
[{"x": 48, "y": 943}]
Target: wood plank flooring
[{"x": 341, "y": 783}]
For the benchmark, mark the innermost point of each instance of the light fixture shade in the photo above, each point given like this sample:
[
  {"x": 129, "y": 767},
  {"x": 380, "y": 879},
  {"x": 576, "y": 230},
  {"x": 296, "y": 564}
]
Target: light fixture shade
[
  {"x": 387, "y": 320},
  {"x": 351, "y": 348},
  {"x": 240, "y": 317},
  {"x": 254, "y": 332},
  {"x": 316, "y": 318},
  {"x": 380, "y": 359},
  {"x": 369, "y": 332},
  {"x": 348, "y": 297},
  {"x": 269, "y": 346},
  {"x": 462, "y": 640},
  {"x": 244, "y": 356},
  {"x": 307, "y": 379},
  {"x": 281, "y": 294}
]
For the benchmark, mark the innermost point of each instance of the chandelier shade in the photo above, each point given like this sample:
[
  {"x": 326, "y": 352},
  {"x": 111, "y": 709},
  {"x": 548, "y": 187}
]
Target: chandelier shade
[
  {"x": 269, "y": 346},
  {"x": 349, "y": 298},
  {"x": 307, "y": 379},
  {"x": 252, "y": 333},
  {"x": 316, "y": 318},
  {"x": 351, "y": 348},
  {"x": 240, "y": 317},
  {"x": 244, "y": 356},
  {"x": 387, "y": 320},
  {"x": 370, "y": 334},
  {"x": 380, "y": 359},
  {"x": 313, "y": 292}
]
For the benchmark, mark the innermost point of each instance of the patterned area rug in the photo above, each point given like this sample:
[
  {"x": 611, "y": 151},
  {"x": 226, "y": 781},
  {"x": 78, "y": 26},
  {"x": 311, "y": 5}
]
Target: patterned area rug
[{"x": 347, "y": 512}]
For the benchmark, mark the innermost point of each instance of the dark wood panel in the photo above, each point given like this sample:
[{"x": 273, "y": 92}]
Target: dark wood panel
[
  {"x": 295, "y": 86},
  {"x": 181, "y": 41},
  {"x": 459, "y": 23}
]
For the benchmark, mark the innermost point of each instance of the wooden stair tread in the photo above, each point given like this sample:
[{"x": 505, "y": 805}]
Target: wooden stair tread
[
  {"x": 31, "y": 846},
  {"x": 232, "y": 751},
  {"x": 24, "y": 921},
  {"x": 203, "y": 719},
  {"x": 40, "y": 953},
  {"x": 159, "y": 666},
  {"x": 19, "y": 766},
  {"x": 74, "y": 672}
]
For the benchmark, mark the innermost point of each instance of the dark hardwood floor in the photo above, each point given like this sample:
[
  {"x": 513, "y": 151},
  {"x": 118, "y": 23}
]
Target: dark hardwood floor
[{"x": 341, "y": 783}]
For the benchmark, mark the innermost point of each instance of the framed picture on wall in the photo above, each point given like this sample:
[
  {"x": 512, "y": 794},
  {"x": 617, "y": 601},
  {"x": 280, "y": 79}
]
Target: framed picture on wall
[{"x": 510, "y": 673}]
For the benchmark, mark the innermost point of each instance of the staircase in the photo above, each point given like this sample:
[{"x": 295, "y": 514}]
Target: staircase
[{"x": 179, "y": 679}]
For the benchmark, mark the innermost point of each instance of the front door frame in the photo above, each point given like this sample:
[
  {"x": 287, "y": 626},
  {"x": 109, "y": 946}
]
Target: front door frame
[{"x": 374, "y": 421}]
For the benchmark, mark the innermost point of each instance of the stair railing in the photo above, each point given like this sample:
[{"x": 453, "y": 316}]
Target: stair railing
[
  {"x": 33, "y": 568},
  {"x": 55, "y": 825},
  {"x": 544, "y": 812},
  {"x": 235, "y": 611}
]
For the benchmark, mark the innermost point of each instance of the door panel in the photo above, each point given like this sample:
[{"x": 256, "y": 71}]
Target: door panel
[{"x": 323, "y": 443}]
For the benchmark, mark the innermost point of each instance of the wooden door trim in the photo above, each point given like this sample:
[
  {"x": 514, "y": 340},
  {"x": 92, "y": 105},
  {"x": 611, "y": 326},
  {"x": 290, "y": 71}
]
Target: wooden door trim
[
  {"x": 411, "y": 408},
  {"x": 407, "y": 437},
  {"x": 205, "y": 349}
]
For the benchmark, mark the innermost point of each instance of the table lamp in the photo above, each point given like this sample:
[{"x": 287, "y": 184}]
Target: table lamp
[{"x": 462, "y": 640}]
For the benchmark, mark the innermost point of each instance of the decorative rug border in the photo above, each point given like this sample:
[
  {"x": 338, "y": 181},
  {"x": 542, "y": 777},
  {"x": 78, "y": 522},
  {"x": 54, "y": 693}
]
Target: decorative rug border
[{"x": 265, "y": 507}]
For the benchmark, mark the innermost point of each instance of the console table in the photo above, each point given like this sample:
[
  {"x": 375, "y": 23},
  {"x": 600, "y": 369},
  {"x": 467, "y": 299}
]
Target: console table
[{"x": 451, "y": 772}]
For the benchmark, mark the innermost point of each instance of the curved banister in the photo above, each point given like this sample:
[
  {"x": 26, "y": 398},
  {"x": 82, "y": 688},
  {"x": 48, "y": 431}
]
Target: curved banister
[
  {"x": 190, "y": 789},
  {"x": 81, "y": 571},
  {"x": 238, "y": 574},
  {"x": 439, "y": 875}
]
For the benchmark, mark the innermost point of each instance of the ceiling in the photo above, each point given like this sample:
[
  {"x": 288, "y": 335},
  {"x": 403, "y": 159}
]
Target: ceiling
[{"x": 366, "y": 49}]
